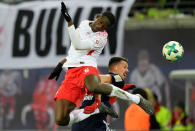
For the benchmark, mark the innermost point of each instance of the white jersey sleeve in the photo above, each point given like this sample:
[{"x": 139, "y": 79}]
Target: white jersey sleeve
[
  {"x": 99, "y": 39},
  {"x": 82, "y": 41},
  {"x": 86, "y": 46}
]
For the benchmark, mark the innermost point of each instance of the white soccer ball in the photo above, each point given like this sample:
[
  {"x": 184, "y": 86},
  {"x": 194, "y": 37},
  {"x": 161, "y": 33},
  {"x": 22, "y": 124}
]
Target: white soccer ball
[{"x": 173, "y": 51}]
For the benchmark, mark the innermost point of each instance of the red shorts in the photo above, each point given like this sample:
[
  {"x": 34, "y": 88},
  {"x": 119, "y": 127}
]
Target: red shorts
[{"x": 73, "y": 87}]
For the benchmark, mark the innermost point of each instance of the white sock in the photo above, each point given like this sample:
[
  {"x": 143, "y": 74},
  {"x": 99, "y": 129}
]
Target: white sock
[
  {"x": 117, "y": 92},
  {"x": 79, "y": 115}
]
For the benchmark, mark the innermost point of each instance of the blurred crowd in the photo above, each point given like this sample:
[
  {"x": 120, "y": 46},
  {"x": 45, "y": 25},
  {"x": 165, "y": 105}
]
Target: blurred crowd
[
  {"x": 149, "y": 81},
  {"x": 163, "y": 119}
]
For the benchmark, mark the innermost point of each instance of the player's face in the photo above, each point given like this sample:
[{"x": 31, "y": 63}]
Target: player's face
[
  {"x": 122, "y": 69},
  {"x": 102, "y": 23}
]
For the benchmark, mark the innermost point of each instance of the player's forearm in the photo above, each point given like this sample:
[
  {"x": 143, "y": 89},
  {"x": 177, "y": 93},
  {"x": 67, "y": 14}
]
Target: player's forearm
[{"x": 76, "y": 41}]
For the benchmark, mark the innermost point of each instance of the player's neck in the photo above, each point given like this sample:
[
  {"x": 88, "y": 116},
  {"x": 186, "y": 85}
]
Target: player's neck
[{"x": 91, "y": 25}]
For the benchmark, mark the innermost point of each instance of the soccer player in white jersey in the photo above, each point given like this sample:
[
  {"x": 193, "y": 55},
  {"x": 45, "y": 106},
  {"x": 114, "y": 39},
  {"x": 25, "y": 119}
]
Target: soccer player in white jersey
[{"x": 87, "y": 42}]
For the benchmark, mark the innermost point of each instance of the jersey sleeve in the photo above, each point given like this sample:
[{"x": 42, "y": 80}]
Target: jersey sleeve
[{"x": 117, "y": 80}]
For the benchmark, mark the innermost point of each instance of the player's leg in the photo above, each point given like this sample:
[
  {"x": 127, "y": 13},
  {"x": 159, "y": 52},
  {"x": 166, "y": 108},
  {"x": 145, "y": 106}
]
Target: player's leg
[
  {"x": 94, "y": 85},
  {"x": 66, "y": 115},
  {"x": 62, "y": 110}
]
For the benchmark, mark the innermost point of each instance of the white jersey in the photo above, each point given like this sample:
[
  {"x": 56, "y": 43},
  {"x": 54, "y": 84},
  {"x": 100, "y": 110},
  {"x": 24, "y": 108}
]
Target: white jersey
[{"x": 87, "y": 57}]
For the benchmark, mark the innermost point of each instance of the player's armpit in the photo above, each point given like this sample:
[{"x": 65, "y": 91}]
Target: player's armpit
[{"x": 106, "y": 78}]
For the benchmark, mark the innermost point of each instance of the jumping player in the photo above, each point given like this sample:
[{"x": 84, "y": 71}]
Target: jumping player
[
  {"x": 87, "y": 42},
  {"x": 118, "y": 70}
]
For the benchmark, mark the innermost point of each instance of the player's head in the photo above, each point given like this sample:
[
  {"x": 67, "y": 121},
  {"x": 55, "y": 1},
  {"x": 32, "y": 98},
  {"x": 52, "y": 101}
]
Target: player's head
[
  {"x": 103, "y": 22},
  {"x": 119, "y": 65}
]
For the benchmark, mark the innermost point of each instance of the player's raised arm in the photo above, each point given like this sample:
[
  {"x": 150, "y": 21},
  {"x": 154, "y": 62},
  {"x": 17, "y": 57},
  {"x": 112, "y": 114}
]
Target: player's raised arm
[{"x": 76, "y": 41}]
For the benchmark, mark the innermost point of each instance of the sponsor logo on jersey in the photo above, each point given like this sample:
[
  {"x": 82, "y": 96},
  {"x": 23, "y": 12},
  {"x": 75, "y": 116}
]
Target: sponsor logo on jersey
[{"x": 88, "y": 97}]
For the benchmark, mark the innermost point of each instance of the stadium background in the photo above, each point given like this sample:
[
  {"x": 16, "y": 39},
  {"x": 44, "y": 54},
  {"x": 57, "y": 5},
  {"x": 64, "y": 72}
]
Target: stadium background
[{"x": 141, "y": 31}]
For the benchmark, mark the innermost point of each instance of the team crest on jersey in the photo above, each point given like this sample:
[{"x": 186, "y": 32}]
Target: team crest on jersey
[
  {"x": 97, "y": 41},
  {"x": 86, "y": 70},
  {"x": 117, "y": 78}
]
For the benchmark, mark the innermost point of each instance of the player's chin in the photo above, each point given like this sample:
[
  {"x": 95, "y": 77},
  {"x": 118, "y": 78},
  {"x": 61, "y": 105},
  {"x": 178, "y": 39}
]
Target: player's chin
[{"x": 98, "y": 29}]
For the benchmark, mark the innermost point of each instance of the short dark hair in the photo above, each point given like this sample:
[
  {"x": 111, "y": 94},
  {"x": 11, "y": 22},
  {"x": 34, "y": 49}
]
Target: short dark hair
[
  {"x": 110, "y": 17},
  {"x": 140, "y": 91},
  {"x": 115, "y": 60}
]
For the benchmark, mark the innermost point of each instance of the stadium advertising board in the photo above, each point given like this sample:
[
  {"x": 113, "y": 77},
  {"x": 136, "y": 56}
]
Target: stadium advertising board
[{"x": 34, "y": 34}]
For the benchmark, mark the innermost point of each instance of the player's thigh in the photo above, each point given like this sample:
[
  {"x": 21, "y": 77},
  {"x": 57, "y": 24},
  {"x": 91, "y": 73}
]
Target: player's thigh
[
  {"x": 63, "y": 108},
  {"x": 92, "y": 82}
]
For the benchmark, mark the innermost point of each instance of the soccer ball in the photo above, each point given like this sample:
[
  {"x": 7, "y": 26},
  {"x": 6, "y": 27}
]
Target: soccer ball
[{"x": 173, "y": 51}]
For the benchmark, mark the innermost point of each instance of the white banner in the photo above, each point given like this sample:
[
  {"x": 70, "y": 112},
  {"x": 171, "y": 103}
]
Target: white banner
[{"x": 34, "y": 34}]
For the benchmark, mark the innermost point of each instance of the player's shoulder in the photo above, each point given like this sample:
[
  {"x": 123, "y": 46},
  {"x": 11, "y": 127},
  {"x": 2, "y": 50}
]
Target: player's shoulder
[
  {"x": 116, "y": 77},
  {"x": 102, "y": 34}
]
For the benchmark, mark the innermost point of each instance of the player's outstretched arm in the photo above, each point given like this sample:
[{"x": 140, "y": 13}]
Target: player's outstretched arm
[
  {"x": 66, "y": 15},
  {"x": 76, "y": 41},
  {"x": 57, "y": 70}
]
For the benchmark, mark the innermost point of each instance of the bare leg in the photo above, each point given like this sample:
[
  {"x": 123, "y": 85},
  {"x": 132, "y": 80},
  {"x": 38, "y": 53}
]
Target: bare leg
[
  {"x": 62, "y": 111},
  {"x": 93, "y": 84}
]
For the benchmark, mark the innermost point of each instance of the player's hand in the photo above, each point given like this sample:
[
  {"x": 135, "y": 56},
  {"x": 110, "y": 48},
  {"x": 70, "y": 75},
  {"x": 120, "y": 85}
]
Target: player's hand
[
  {"x": 65, "y": 12},
  {"x": 92, "y": 108},
  {"x": 129, "y": 87},
  {"x": 56, "y": 72}
]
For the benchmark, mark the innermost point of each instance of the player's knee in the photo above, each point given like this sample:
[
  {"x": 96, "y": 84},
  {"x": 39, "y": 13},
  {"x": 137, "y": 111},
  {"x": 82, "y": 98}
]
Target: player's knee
[
  {"x": 92, "y": 83},
  {"x": 61, "y": 120},
  {"x": 90, "y": 89},
  {"x": 62, "y": 112}
]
